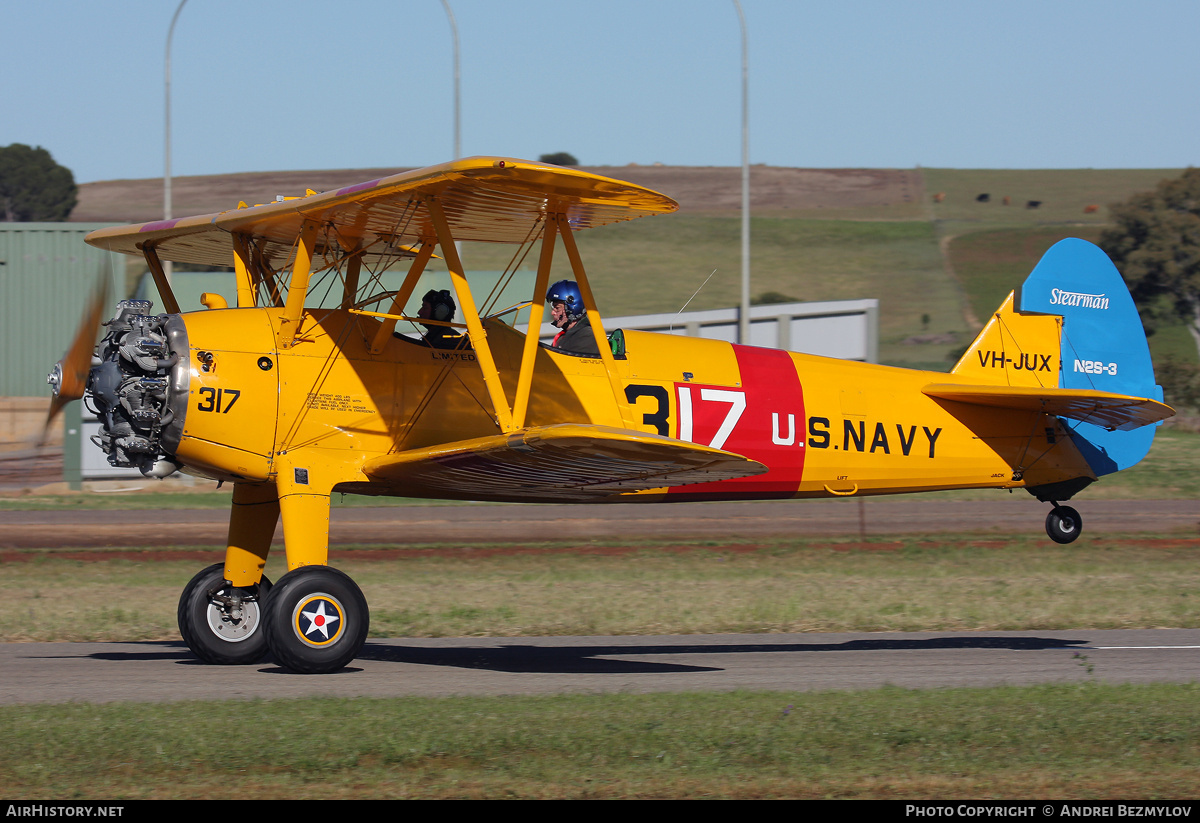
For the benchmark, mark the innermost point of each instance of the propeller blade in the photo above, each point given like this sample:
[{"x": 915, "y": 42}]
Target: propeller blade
[{"x": 68, "y": 380}]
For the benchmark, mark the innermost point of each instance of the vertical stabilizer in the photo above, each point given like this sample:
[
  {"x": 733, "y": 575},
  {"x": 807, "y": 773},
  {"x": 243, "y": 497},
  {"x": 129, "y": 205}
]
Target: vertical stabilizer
[
  {"x": 1103, "y": 345},
  {"x": 1014, "y": 349}
]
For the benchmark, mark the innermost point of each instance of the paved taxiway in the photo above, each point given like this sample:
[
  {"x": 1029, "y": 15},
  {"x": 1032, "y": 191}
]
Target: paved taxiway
[{"x": 152, "y": 672}]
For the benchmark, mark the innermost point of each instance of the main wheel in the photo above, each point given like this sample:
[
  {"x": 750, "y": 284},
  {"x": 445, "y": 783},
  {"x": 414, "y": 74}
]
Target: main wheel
[
  {"x": 1063, "y": 524},
  {"x": 220, "y": 624},
  {"x": 317, "y": 620}
]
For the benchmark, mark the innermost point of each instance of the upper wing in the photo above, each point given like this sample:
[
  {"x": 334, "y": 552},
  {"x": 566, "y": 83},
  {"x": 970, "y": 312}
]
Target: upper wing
[
  {"x": 485, "y": 198},
  {"x": 1112, "y": 411},
  {"x": 559, "y": 462}
]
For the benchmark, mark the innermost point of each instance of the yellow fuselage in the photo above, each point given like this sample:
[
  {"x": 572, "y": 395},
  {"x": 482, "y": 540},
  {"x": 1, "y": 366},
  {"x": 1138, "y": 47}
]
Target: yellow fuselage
[{"x": 824, "y": 427}]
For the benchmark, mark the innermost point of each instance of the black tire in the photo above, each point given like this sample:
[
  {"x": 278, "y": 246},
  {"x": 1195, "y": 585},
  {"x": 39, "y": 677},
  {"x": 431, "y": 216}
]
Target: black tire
[
  {"x": 211, "y": 632},
  {"x": 1064, "y": 524},
  {"x": 316, "y": 620}
]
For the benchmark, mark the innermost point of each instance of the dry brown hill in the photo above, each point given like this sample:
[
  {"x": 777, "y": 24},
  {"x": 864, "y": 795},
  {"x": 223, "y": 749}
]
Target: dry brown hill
[{"x": 699, "y": 189}]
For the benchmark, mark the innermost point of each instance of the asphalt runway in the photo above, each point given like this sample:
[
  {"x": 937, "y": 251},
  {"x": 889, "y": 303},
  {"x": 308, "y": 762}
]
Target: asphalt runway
[
  {"x": 154, "y": 672},
  {"x": 732, "y": 521}
]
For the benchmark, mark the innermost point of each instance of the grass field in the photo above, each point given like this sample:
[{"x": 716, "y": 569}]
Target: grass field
[
  {"x": 1070, "y": 742},
  {"x": 919, "y": 582},
  {"x": 784, "y": 586},
  {"x": 1084, "y": 740}
]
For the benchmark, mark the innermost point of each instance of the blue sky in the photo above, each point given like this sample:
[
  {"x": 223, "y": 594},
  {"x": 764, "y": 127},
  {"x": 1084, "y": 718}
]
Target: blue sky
[{"x": 263, "y": 85}]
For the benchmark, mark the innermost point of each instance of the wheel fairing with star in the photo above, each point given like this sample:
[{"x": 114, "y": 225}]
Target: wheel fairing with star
[{"x": 316, "y": 620}]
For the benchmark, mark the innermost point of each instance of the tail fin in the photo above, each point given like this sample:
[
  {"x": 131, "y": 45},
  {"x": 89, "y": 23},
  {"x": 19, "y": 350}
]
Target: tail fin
[{"x": 1074, "y": 326}]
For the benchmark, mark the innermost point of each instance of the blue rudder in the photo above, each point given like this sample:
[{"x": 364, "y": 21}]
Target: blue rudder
[{"x": 1103, "y": 344}]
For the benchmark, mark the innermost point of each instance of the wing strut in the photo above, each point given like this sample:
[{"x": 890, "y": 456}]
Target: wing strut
[
  {"x": 243, "y": 263},
  {"x": 483, "y": 352},
  {"x": 293, "y": 310},
  {"x": 350, "y": 289},
  {"x": 589, "y": 302},
  {"x": 170, "y": 304},
  {"x": 529, "y": 353}
]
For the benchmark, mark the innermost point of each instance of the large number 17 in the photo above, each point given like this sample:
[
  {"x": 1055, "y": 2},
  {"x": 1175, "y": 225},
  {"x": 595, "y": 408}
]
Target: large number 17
[{"x": 737, "y": 405}]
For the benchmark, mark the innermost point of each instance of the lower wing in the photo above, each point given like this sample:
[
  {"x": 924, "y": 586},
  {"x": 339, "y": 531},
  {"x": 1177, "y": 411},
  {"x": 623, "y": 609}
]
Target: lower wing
[{"x": 560, "y": 462}]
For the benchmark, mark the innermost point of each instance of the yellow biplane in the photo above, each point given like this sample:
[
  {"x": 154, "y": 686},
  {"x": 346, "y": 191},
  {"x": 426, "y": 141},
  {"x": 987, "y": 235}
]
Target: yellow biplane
[{"x": 305, "y": 389}]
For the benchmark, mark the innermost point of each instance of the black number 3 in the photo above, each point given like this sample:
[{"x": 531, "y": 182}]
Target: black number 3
[{"x": 657, "y": 419}]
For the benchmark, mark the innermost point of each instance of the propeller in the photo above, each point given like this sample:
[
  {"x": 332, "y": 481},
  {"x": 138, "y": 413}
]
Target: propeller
[{"x": 68, "y": 379}]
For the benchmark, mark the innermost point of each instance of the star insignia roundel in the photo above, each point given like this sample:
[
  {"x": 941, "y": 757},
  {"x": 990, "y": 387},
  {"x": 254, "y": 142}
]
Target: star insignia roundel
[{"x": 318, "y": 620}]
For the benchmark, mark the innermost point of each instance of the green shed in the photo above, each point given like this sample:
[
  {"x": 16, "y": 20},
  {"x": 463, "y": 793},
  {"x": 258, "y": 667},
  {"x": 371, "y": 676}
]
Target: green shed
[{"x": 47, "y": 274}]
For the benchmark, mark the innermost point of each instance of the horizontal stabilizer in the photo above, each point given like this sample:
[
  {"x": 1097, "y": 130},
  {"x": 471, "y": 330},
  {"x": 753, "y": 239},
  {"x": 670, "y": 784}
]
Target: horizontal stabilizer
[
  {"x": 1111, "y": 411},
  {"x": 565, "y": 461}
]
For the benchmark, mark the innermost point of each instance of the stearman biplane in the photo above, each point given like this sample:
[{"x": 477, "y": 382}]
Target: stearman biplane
[{"x": 304, "y": 389}]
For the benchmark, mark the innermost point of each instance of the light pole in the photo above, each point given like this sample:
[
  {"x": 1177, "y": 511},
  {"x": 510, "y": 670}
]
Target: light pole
[
  {"x": 744, "y": 312},
  {"x": 167, "y": 130},
  {"x": 457, "y": 105}
]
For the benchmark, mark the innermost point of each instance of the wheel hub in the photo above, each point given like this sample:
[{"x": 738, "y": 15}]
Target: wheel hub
[
  {"x": 318, "y": 620},
  {"x": 233, "y": 619}
]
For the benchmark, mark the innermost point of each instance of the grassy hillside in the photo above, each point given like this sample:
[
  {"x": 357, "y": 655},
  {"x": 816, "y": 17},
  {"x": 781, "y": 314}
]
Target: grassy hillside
[
  {"x": 990, "y": 264},
  {"x": 1063, "y": 195}
]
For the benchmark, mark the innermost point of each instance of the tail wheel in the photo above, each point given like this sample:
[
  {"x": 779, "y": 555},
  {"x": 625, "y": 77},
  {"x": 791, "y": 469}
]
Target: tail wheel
[
  {"x": 1063, "y": 524},
  {"x": 220, "y": 624},
  {"x": 316, "y": 620}
]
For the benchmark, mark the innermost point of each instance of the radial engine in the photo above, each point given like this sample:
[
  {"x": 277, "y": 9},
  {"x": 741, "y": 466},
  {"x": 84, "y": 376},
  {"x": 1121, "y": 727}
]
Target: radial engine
[{"x": 139, "y": 386}]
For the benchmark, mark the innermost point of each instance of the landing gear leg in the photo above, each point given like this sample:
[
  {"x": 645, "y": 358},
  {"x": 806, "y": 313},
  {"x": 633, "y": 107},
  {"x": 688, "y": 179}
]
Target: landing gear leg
[
  {"x": 316, "y": 617},
  {"x": 252, "y": 522},
  {"x": 1063, "y": 524},
  {"x": 221, "y": 610}
]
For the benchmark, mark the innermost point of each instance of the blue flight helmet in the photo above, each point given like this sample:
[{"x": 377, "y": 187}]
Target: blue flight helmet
[{"x": 567, "y": 292}]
